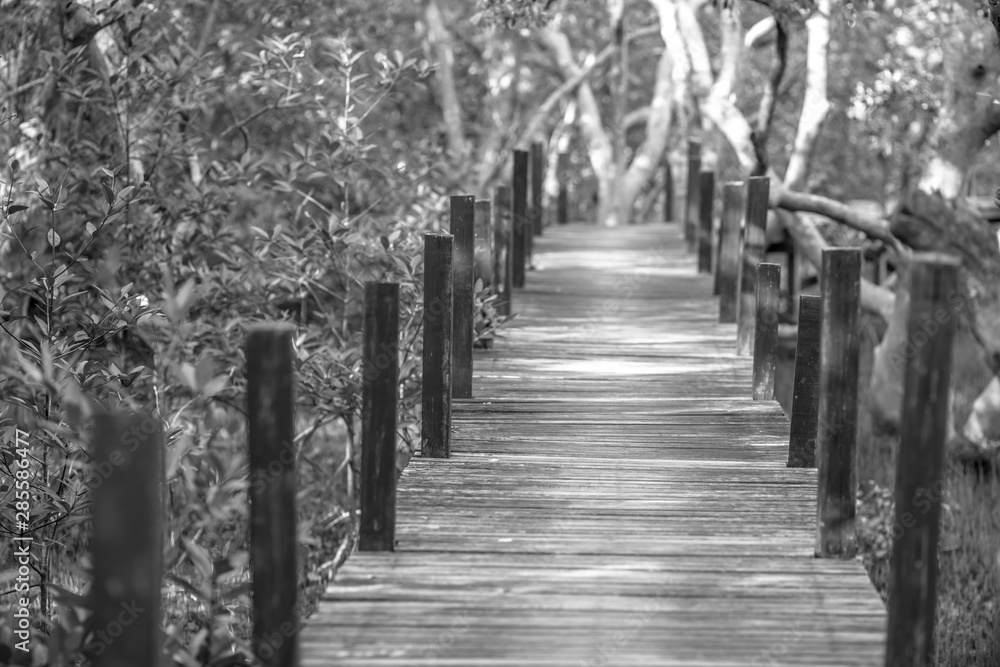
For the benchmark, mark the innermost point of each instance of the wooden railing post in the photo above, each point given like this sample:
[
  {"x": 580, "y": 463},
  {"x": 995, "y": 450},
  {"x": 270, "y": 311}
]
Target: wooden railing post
[
  {"x": 435, "y": 427},
  {"x": 692, "y": 206},
  {"x": 919, "y": 464},
  {"x": 380, "y": 380},
  {"x": 271, "y": 440},
  {"x": 754, "y": 231},
  {"x": 483, "y": 243},
  {"x": 562, "y": 167},
  {"x": 765, "y": 350},
  {"x": 502, "y": 254},
  {"x": 668, "y": 192},
  {"x": 838, "y": 402},
  {"x": 537, "y": 182},
  {"x": 805, "y": 386},
  {"x": 706, "y": 201},
  {"x": 728, "y": 271},
  {"x": 462, "y": 228},
  {"x": 127, "y": 546},
  {"x": 519, "y": 221}
]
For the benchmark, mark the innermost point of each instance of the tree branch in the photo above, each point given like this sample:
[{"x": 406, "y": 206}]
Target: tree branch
[{"x": 769, "y": 99}]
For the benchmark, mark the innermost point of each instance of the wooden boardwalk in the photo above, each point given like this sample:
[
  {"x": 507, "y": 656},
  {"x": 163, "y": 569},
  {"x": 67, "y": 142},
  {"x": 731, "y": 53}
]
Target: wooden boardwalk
[{"x": 614, "y": 497}]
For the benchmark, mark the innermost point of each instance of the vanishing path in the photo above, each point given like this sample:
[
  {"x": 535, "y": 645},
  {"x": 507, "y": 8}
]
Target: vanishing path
[{"x": 614, "y": 496}]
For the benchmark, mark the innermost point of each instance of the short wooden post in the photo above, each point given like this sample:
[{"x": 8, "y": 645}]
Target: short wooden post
[
  {"x": 435, "y": 426},
  {"x": 838, "y": 402},
  {"x": 728, "y": 271},
  {"x": 754, "y": 233},
  {"x": 537, "y": 176},
  {"x": 127, "y": 546},
  {"x": 805, "y": 391},
  {"x": 519, "y": 220},
  {"x": 706, "y": 200},
  {"x": 793, "y": 278},
  {"x": 483, "y": 243},
  {"x": 271, "y": 439},
  {"x": 562, "y": 166},
  {"x": 502, "y": 255},
  {"x": 668, "y": 192},
  {"x": 380, "y": 380},
  {"x": 765, "y": 349},
  {"x": 692, "y": 206},
  {"x": 462, "y": 228},
  {"x": 919, "y": 465}
]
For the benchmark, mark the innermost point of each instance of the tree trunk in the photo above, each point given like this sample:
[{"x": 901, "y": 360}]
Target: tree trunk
[{"x": 440, "y": 43}]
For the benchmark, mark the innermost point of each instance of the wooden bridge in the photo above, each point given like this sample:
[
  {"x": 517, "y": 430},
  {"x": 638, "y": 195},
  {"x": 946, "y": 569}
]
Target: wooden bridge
[{"x": 614, "y": 495}]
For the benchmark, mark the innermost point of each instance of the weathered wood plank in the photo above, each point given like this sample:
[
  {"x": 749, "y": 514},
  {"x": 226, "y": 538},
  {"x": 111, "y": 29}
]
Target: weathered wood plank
[
  {"x": 520, "y": 231},
  {"x": 435, "y": 392},
  {"x": 805, "y": 386},
  {"x": 691, "y": 194},
  {"x": 754, "y": 235},
  {"x": 728, "y": 271},
  {"x": 461, "y": 226}
]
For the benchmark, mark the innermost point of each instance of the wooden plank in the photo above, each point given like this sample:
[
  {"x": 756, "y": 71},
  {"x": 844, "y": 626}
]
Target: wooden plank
[
  {"x": 502, "y": 254},
  {"x": 520, "y": 234},
  {"x": 562, "y": 207},
  {"x": 919, "y": 471},
  {"x": 765, "y": 351},
  {"x": 537, "y": 180},
  {"x": 728, "y": 271},
  {"x": 836, "y": 433},
  {"x": 706, "y": 201},
  {"x": 668, "y": 192},
  {"x": 435, "y": 401},
  {"x": 127, "y": 539},
  {"x": 754, "y": 235},
  {"x": 462, "y": 220},
  {"x": 805, "y": 386},
  {"x": 692, "y": 206},
  {"x": 380, "y": 380}
]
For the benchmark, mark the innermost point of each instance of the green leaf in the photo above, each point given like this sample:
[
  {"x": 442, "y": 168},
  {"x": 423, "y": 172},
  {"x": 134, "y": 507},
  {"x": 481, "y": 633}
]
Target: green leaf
[
  {"x": 16, "y": 208},
  {"x": 53, "y": 238}
]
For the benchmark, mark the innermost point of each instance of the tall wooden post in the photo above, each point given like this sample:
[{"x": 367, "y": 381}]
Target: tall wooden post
[
  {"x": 380, "y": 380},
  {"x": 668, "y": 192},
  {"x": 706, "y": 200},
  {"x": 502, "y": 254},
  {"x": 127, "y": 546},
  {"x": 805, "y": 386},
  {"x": 271, "y": 438},
  {"x": 462, "y": 228},
  {"x": 838, "y": 402},
  {"x": 519, "y": 219},
  {"x": 562, "y": 166},
  {"x": 765, "y": 351},
  {"x": 483, "y": 243},
  {"x": 754, "y": 234},
  {"x": 435, "y": 426},
  {"x": 729, "y": 251},
  {"x": 537, "y": 181},
  {"x": 692, "y": 206},
  {"x": 919, "y": 465}
]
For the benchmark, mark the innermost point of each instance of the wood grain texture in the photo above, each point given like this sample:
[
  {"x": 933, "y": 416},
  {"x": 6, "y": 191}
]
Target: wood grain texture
[
  {"x": 502, "y": 255},
  {"x": 379, "y": 388},
  {"x": 805, "y": 386},
  {"x": 706, "y": 203},
  {"x": 562, "y": 206},
  {"x": 520, "y": 233},
  {"x": 614, "y": 496},
  {"x": 435, "y": 391},
  {"x": 462, "y": 228},
  {"x": 691, "y": 194},
  {"x": 728, "y": 272},
  {"x": 537, "y": 181},
  {"x": 754, "y": 240},
  {"x": 765, "y": 345},
  {"x": 919, "y": 485},
  {"x": 668, "y": 192},
  {"x": 483, "y": 251},
  {"x": 837, "y": 415}
]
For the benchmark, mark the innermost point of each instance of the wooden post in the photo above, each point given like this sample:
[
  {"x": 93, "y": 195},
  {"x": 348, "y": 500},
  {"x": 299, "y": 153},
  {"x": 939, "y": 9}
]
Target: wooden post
[
  {"x": 502, "y": 256},
  {"x": 838, "y": 402},
  {"x": 668, "y": 192},
  {"x": 435, "y": 424},
  {"x": 805, "y": 391},
  {"x": 519, "y": 221},
  {"x": 127, "y": 546},
  {"x": 380, "y": 380},
  {"x": 765, "y": 349},
  {"x": 692, "y": 206},
  {"x": 562, "y": 166},
  {"x": 271, "y": 439},
  {"x": 706, "y": 199},
  {"x": 754, "y": 232},
  {"x": 537, "y": 174},
  {"x": 793, "y": 278},
  {"x": 483, "y": 242},
  {"x": 462, "y": 221},
  {"x": 729, "y": 251},
  {"x": 919, "y": 465}
]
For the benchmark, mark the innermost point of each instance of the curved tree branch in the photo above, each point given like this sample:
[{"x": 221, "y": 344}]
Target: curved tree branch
[{"x": 769, "y": 100}]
